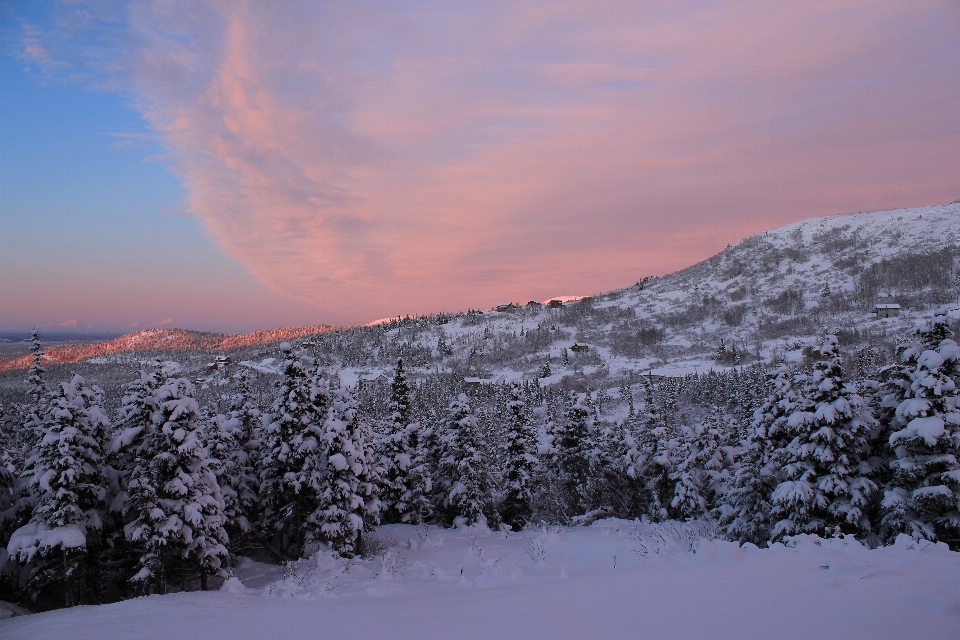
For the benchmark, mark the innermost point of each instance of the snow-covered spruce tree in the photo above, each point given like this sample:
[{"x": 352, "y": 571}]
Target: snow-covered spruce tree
[
  {"x": 701, "y": 472},
  {"x": 32, "y": 427},
  {"x": 245, "y": 407},
  {"x": 10, "y": 571},
  {"x": 627, "y": 396},
  {"x": 232, "y": 439},
  {"x": 38, "y": 388},
  {"x": 573, "y": 452},
  {"x": 521, "y": 459},
  {"x": 293, "y": 435},
  {"x": 347, "y": 489},
  {"x": 420, "y": 477},
  {"x": 174, "y": 500},
  {"x": 824, "y": 488},
  {"x": 224, "y": 435},
  {"x": 744, "y": 513},
  {"x": 62, "y": 538},
  {"x": 135, "y": 420},
  {"x": 17, "y": 499},
  {"x": 922, "y": 497},
  {"x": 622, "y": 466},
  {"x": 464, "y": 481},
  {"x": 656, "y": 447},
  {"x": 397, "y": 458}
]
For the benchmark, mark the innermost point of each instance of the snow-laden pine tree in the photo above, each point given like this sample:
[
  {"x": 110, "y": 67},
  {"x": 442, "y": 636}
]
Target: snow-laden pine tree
[
  {"x": 824, "y": 487},
  {"x": 291, "y": 438},
  {"x": 521, "y": 448},
  {"x": 135, "y": 421},
  {"x": 745, "y": 511},
  {"x": 573, "y": 452},
  {"x": 463, "y": 475},
  {"x": 8, "y": 498},
  {"x": 135, "y": 418},
  {"x": 174, "y": 500},
  {"x": 224, "y": 435},
  {"x": 32, "y": 429},
  {"x": 401, "y": 495},
  {"x": 62, "y": 538},
  {"x": 347, "y": 489},
  {"x": 17, "y": 499},
  {"x": 626, "y": 394},
  {"x": 38, "y": 388},
  {"x": 923, "y": 495},
  {"x": 623, "y": 469},
  {"x": 700, "y": 473},
  {"x": 656, "y": 449},
  {"x": 245, "y": 410},
  {"x": 245, "y": 407}
]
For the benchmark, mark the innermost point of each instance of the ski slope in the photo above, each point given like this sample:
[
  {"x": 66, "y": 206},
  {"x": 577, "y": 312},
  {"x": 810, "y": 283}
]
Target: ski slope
[{"x": 669, "y": 581}]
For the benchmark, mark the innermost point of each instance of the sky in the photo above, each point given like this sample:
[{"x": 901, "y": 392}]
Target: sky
[{"x": 236, "y": 165}]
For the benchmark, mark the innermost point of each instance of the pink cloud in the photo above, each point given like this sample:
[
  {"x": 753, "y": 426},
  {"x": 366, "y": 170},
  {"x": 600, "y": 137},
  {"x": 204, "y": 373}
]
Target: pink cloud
[{"x": 373, "y": 160}]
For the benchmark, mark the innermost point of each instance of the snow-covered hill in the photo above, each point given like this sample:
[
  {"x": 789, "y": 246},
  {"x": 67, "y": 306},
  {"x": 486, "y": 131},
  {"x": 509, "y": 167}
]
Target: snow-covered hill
[
  {"x": 763, "y": 300},
  {"x": 614, "y": 579},
  {"x": 163, "y": 340}
]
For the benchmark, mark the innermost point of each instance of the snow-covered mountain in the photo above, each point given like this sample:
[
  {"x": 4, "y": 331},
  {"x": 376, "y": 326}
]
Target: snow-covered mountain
[
  {"x": 163, "y": 340},
  {"x": 763, "y": 299}
]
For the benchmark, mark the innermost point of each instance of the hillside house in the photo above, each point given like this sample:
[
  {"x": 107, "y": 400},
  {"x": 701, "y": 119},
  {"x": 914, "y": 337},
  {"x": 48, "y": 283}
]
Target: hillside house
[
  {"x": 555, "y": 304},
  {"x": 663, "y": 373},
  {"x": 887, "y": 310},
  {"x": 579, "y": 348},
  {"x": 475, "y": 383},
  {"x": 505, "y": 306},
  {"x": 220, "y": 363}
]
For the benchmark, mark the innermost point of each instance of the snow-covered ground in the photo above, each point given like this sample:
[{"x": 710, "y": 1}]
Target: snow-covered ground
[{"x": 613, "y": 579}]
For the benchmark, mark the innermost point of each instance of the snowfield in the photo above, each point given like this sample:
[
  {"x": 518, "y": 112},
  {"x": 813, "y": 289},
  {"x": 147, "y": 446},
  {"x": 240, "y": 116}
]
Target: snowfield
[{"x": 668, "y": 581}]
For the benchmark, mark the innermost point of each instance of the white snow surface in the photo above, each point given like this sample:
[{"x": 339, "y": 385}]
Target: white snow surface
[{"x": 613, "y": 579}]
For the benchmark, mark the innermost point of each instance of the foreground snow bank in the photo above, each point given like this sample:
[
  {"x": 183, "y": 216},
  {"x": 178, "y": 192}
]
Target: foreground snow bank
[{"x": 613, "y": 579}]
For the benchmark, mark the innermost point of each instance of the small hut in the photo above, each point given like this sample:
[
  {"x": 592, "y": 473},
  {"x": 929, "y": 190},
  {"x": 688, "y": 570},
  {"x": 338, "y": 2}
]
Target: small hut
[{"x": 887, "y": 310}]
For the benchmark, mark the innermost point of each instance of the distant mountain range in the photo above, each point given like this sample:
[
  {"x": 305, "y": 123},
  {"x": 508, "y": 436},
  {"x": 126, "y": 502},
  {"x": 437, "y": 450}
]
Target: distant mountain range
[{"x": 163, "y": 340}]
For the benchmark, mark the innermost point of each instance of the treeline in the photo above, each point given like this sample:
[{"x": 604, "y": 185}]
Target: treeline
[{"x": 162, "y": 496}]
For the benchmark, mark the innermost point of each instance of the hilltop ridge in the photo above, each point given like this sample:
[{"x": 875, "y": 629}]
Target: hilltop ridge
[
  {"x": 759, "y": 298},
  {"x": 164, "y": 339}
]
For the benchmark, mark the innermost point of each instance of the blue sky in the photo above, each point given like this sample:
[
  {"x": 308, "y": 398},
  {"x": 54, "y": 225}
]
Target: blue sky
[{"x": 94, "y": 233}]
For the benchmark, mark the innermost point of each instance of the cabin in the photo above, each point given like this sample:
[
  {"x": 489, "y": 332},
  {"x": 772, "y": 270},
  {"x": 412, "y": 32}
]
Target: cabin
[
  {"x": 219, "y": 363},
  {"x": 887, "y": 310},
  {"x": 505, "y": 306},
  {"x": 475, "y": 383},
  {"x": 579, "y": 348},
  {"x": 555, "y": 304},
  {"x": 534, "y": 303},
  {"x": 663, "y": 373}
]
